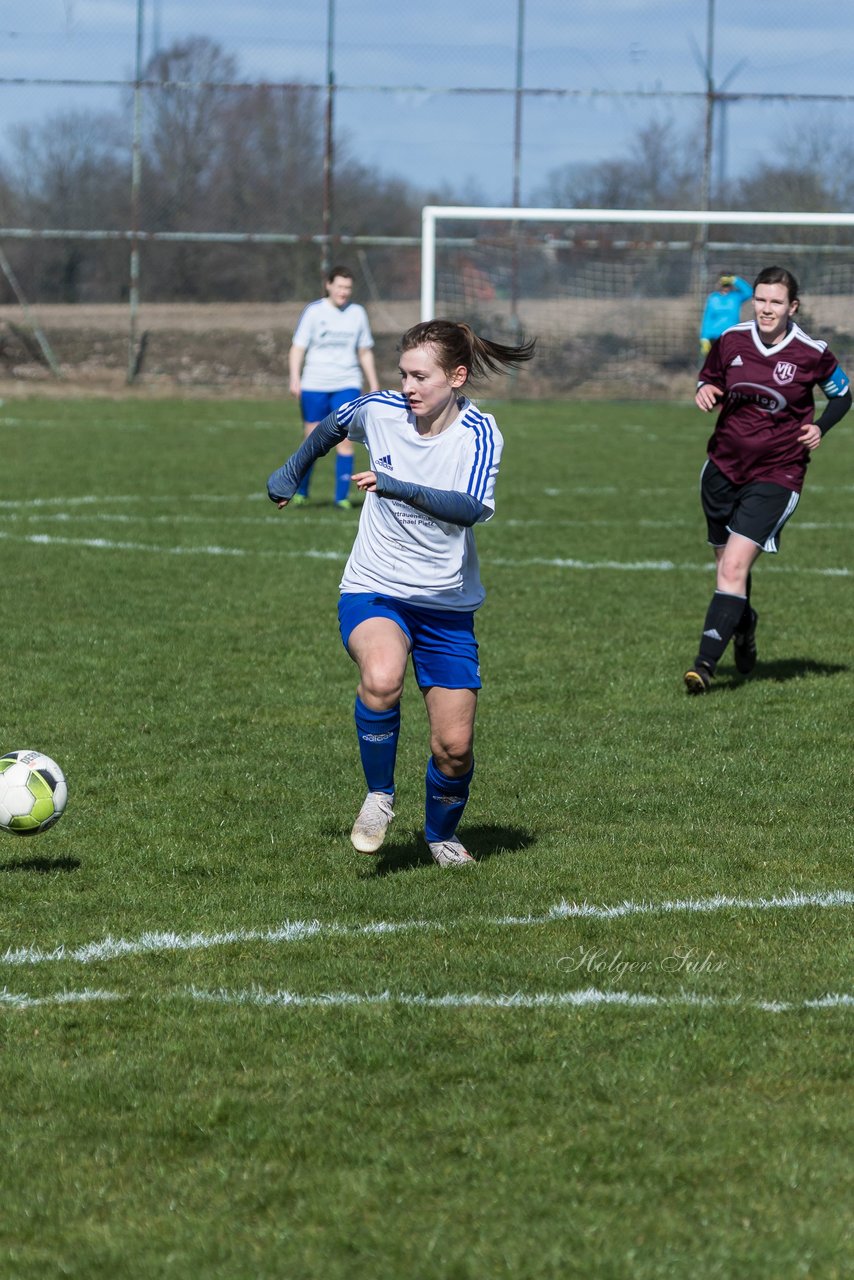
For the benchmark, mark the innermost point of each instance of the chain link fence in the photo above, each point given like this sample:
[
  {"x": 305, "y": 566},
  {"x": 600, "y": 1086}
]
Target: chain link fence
[{"x": 178, "y": 169}]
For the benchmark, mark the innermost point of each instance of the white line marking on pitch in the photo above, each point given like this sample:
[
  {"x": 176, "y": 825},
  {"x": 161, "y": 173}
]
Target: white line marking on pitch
[
  {"x": 107, "y": 544},
  {"x": 655, "y": 566},
  {"x": 9, "y": 513},
  {"x": 190, "y": 424},
  {"x": 95, "y": 499},
  {"x": 11, "y": 1000},
  {"x": 658, "y": 566},
  {"x": 589, "y": 997},
  {"x": 719, "y": 902},
  {"x": 114, "y": 948},
  {"x": 122, "y": 517},
  {"x": 111, "y": 948}
]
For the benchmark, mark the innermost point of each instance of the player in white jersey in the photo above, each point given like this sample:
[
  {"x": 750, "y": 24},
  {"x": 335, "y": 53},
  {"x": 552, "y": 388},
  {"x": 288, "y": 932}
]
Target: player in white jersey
[
  {"x": 412, "y": 583},
  {"x": 332, "y": 348}
]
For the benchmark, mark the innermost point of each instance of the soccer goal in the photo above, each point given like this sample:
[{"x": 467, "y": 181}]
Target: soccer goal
[{"x": 615, "y": 296}]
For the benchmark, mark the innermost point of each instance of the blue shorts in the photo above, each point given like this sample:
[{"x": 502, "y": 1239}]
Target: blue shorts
[
  {"x": 317, "y": 405},
  {"x": 441, "y": 641}
]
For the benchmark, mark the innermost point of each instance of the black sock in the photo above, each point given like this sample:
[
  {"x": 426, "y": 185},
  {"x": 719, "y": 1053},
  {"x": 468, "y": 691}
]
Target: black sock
[
  {"x": 723, "y": 616},
  {"x": 743, "y": 624}
]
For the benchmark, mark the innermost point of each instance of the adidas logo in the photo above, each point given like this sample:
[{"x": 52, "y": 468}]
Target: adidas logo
[
  {"x": 713, "y": 634},
  {"x": 385, "y": 462},
  {"x": 737, "y": 360}
]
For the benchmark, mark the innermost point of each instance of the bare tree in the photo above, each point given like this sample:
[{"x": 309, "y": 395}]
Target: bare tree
[
  {"x": 661, "y": 171},
  {"x": 182, "y": 139},
  {"x": 71, "y": 171},
  {"x": 216, "y": 155}
]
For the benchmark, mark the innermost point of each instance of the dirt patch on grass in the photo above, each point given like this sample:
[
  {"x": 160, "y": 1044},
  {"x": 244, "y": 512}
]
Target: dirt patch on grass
[
  {"x": 239, "y": 350},
  {"x": 588, "y": 347}
]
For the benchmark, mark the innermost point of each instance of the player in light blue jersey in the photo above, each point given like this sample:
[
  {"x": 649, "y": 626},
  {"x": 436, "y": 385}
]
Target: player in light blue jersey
[
  {"x": 412, "y": 584},
  {"x": 332, "y": 348},
  {"x": 722, "y": 309}
]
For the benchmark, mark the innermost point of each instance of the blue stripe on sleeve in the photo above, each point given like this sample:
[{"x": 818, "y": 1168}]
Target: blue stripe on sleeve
[
  {"x": 837, "y": 384},
  {"x": 348, "y": 411},
  {"x": 484, "y": 455}
]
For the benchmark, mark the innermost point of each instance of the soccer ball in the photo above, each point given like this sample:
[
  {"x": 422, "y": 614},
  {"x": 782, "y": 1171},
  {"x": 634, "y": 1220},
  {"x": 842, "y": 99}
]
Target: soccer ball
[{"x": 33, "y": 792}]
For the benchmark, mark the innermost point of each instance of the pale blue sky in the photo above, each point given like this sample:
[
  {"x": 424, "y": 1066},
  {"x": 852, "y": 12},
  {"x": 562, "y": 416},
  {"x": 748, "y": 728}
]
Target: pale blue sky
[{"x": 582, "y": 45}]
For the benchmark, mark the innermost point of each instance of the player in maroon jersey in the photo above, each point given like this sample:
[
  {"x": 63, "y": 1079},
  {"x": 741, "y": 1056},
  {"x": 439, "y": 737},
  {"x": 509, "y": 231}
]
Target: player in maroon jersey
[{"x": 760, "y": 376}]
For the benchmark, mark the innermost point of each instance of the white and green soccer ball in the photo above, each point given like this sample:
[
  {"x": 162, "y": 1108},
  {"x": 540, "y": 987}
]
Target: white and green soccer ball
[{"x": 33, "y": 792}]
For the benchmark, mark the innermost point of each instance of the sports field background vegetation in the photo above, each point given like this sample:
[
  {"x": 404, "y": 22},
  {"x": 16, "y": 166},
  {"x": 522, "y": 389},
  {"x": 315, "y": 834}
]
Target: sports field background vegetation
[{"x": 620, "y": 1046}]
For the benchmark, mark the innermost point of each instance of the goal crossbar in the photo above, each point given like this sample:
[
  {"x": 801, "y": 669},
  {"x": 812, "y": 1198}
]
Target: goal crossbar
[{"x": 431, "y": 214}]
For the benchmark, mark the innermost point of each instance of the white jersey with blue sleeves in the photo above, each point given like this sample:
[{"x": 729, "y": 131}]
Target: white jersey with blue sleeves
[
  {"x": 400, "y": 551},
  {"x": 332, "y": 337}
]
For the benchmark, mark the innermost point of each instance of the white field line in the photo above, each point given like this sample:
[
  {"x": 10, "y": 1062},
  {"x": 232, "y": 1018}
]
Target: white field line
[
  {"x": 106, "y": 499},
  {"x": 290, "y": 931},
  {"x": 655, "y": 566},
  {"x": 188, "y": 423},
  {"x": 647, "y": 566},
  {"x": 258, "y": 495},
  {"x": 41, "y": 506},
  {"x": 122, "y": 517},
  {"x": 158, "y": 942},
  {"x": 719, "y": 902},
  {"x": 108, "y": 544},
  {"x": 589, "y": 997},
  {"x": 13, "y": 1000},
  {"x": 274, "y": 518}
]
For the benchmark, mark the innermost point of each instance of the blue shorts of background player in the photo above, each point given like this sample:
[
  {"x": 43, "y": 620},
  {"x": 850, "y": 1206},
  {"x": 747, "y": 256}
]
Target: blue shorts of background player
[
  {"x": 441, "y": 641},
  {"x": 315, "y": 406}
]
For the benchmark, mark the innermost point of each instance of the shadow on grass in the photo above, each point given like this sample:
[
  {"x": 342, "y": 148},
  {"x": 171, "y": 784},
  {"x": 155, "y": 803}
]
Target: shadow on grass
[
  {"x": 779, "y": 672},
  {"x": 41, "y": 866},
  {"x": 485, "y": 841},
  {"x": 794, "y": 668}
]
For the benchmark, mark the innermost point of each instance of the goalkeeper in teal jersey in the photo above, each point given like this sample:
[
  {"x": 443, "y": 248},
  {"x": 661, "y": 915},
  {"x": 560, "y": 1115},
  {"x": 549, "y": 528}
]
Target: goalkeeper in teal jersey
[
  {"x": 411, "y": 585},
  {"x": 723, "y": 309}
]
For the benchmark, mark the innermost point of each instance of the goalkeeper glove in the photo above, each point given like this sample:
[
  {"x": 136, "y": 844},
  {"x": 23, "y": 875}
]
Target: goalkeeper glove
[{"x": 727, "y": 280}]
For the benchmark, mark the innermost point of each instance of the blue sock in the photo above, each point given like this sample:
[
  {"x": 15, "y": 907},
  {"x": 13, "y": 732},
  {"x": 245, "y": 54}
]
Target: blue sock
[
  {"x": 378, "y": 733},
  {"x": 302, "y": 487},
  {"x": 445, "y": 801},
  {"x": 343, "y": 476}
]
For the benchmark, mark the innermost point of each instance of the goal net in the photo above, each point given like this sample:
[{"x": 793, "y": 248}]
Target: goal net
[{"x": 615, "y": 296}]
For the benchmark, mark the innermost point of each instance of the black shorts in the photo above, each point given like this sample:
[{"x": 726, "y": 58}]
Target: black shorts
[{"x": 756, "y": 510}]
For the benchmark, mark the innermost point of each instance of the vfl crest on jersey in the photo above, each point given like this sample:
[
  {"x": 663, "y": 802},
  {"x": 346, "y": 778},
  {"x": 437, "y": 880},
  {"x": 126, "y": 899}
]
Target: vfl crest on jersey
[{"x": 784, "y": 372}]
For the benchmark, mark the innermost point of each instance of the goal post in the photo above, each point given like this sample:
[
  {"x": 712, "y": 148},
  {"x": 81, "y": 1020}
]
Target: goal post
[{"x": 615, "y": 296}]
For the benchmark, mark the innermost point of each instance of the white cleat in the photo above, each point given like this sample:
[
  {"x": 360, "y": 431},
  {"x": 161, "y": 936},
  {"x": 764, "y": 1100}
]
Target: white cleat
[
  {"x": 372, "y": 823},
  {"x": 449, "y": 853}
]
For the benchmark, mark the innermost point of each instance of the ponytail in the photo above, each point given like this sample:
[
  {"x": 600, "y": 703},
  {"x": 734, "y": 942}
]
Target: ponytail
[{"x": 456, "y": 344}]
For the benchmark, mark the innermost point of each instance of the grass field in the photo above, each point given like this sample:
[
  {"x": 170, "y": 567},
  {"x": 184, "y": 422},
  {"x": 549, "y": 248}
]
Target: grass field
[{"x": 618, "y": 1047}]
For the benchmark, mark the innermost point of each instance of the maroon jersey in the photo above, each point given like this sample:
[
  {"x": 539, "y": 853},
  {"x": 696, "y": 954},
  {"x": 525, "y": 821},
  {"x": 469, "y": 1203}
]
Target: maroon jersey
[{"x": 768, "y": 398}]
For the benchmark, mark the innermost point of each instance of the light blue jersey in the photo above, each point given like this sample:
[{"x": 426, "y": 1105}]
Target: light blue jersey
[{"x": 723, "y": 310}]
